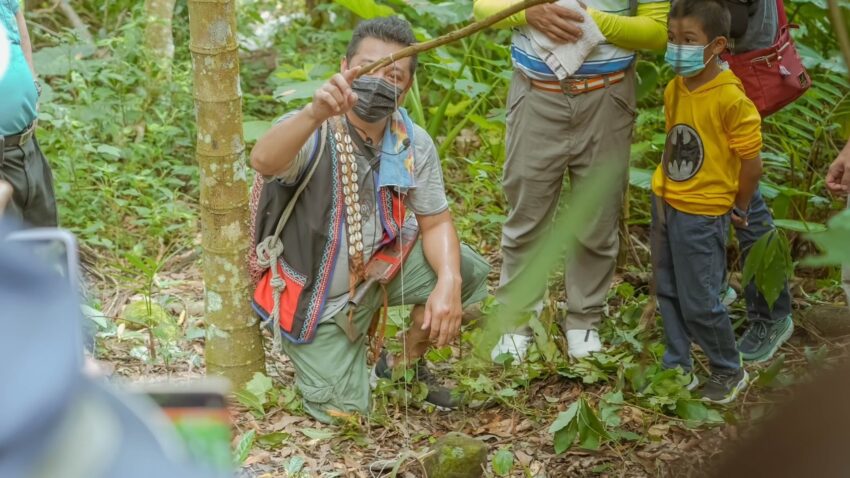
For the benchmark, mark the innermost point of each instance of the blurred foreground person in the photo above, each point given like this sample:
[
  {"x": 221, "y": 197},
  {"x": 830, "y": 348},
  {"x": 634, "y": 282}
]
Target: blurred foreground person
[
  {"x": 807, "y": 436},
  {"x": 54, "y": 422}
]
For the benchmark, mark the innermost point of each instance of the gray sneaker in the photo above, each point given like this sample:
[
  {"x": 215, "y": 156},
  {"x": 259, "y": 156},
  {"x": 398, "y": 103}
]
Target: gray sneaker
[
  {"x": 762, "y": 339},
  {"x": 724, "y": 387}
]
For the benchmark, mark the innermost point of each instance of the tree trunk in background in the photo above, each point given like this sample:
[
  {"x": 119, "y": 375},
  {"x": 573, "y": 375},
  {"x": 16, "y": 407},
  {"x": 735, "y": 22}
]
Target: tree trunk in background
[
  {"x": 317, "y": 17},
  {"x": 234, "y": 345},
  {"x": 159, "y": 40}
]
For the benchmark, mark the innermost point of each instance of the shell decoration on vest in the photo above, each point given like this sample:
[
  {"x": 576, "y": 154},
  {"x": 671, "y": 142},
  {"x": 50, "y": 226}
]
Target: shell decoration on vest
[{"x": 351, "y": 194}]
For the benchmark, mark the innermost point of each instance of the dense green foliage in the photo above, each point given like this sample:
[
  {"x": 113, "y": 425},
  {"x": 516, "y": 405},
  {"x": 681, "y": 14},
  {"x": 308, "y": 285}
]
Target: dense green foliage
[{"x": 121, "y": 145}]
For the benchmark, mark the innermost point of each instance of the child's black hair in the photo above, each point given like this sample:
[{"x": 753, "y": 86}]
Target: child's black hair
[{"x": 713, "y": 15}]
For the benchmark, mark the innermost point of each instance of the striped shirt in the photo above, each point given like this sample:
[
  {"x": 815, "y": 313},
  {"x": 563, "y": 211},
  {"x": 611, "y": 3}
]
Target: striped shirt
[{"x": 606, "y": 58}]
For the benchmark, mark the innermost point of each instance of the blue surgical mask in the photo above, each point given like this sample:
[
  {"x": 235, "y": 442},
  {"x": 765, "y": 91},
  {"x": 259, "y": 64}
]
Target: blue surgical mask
[{"x": 686, "y": 60}]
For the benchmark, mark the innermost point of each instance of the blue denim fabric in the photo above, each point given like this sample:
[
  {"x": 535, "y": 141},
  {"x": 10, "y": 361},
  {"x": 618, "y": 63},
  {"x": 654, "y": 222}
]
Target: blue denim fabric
[
  {"x": 689, "y": 264},
  {"x": 760, "y": 223}
]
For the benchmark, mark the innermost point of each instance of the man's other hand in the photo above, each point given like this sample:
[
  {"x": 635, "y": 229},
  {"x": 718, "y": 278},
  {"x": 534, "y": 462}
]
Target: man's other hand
[
  {"x": 838, "y": 175},
  {"x": 443, "y": 313},
  {"x": 556, "y": 22},
  {"x": 335, "y": 97}
]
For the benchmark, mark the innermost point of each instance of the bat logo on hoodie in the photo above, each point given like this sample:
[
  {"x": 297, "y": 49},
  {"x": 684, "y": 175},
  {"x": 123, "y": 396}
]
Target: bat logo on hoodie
[{"x": 683, "y": 153}]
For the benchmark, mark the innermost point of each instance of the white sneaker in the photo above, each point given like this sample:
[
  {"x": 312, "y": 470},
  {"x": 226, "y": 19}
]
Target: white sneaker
[
  {"x": 515, "y": 344},
  {"x": 582, "y": 343}
]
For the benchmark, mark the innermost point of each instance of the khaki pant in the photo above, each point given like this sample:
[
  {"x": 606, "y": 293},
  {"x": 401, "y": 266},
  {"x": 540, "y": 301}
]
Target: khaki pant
[
  {"x": 550, "y": 135},
  {"x": 331, "y": 371}
]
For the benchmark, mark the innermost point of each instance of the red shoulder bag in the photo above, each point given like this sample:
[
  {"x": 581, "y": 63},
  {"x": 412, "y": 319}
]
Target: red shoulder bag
[{"x": 772, "y": 77}]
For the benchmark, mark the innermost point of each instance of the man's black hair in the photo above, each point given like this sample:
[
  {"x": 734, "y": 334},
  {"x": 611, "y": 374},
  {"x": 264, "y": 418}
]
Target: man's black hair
[
  {"x": 388, "y": 29},
  {"x": 712, "y": 15}
]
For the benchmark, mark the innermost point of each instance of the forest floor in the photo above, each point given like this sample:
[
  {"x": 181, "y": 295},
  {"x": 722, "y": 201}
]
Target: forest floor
[{"x": 515, "y": 425}]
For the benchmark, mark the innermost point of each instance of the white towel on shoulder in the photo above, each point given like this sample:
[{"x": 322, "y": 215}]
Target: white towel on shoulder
[{"x": 564, "y": 59}]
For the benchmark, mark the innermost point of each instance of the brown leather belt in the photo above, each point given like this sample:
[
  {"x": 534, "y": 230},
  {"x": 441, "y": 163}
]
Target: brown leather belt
[
  {"x": 21, "y": 138},
  {"x": 577, "y": 86}
]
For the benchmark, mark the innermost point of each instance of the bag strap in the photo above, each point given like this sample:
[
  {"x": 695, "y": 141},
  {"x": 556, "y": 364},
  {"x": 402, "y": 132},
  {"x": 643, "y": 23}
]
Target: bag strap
[
  {"x": 782, "y": 17},
  {"x": 633, "y": 7}
]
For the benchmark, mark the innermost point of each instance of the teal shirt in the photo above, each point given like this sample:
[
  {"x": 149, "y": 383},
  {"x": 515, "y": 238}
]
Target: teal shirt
[{"x": 18, "y": 95}]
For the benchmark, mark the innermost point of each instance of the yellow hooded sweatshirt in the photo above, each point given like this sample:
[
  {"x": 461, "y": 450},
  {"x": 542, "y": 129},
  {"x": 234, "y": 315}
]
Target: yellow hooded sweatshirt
[{"x": 709, "y": 132}]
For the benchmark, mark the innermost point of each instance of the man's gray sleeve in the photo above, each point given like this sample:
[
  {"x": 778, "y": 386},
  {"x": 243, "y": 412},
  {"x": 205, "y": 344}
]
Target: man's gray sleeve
[
  {"x": 299, "y": 164},
  {"x": 429, "y": 195}
]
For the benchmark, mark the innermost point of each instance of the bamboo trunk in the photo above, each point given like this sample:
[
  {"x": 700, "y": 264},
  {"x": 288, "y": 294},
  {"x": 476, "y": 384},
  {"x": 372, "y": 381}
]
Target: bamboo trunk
[
  {"x": 159, "y": 39},
  {"x": 234, "y": 345}
]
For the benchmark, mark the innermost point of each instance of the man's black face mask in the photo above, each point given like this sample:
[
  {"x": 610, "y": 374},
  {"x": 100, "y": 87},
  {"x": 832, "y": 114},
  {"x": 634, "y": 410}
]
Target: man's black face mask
[{"x": 376, "y": 98}]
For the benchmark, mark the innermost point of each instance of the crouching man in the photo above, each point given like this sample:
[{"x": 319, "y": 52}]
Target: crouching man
[{"x": 356, "y": 165}]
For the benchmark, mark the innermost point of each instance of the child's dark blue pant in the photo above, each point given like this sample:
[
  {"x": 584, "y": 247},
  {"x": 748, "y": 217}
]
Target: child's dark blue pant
[{"x": 689, "y": 263}]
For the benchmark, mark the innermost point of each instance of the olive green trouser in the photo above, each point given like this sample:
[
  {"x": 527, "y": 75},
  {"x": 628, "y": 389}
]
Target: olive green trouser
[
  {"x": 550, "y": 135},
  {"x": 26, "y": 169},
  {"x": 331, "y": 372}
]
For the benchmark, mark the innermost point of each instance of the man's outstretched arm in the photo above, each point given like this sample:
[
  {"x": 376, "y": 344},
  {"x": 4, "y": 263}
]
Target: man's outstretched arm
[{"x": 276, "y": 150}]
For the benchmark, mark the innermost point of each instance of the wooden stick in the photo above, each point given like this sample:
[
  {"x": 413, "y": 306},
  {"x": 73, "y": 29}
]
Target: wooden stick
[{"x": 452, "y": 36}]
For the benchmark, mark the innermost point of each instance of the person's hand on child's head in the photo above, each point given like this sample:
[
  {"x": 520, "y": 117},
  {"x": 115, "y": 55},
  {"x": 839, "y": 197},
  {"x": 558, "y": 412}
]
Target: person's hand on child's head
[
  {"x": 838, "y": 175},
  {"x": 556, "y": 22},
  {"x": 5, "y": 195}
]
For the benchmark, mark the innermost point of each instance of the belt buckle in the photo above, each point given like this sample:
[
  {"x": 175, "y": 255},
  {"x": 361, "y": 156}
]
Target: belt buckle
[{"x": 569, "y": 87}]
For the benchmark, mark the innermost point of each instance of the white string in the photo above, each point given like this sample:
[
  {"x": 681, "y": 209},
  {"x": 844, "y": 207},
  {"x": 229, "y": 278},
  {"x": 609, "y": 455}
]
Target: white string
[{"x": 401, "y": 271}]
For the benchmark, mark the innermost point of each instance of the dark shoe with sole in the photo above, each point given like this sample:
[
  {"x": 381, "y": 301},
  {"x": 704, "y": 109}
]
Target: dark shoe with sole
[
  {"x": 438, "y": 395},
  {"x": 762, "y": 339},
  {"x": 724, "y": 387}
]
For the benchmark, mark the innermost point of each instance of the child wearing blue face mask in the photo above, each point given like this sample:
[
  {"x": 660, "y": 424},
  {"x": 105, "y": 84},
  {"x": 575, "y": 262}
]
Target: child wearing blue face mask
[{"x": 708, "y": 174}]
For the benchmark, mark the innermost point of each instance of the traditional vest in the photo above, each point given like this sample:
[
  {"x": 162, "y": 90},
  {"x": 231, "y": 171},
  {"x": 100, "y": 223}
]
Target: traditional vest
[{"x": 311, "y": 241}]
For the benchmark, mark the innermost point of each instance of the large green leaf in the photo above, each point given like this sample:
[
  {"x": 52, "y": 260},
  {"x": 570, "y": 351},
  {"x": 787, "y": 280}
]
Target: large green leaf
[
  {"x": 62, "y": 59},
  {"x": 260, "y": 386},
  {"x": 564, "y": 418},
  {"x": 565, "y": 437},
  {"x": 255, "y": 129},
  {"x": 366, "y": 8},
  {"x": 297, "y": 91},
  {"x": 769, "y": 265},
  {"x": 833, "y": 242},
  {"x": 641, "y": 178},
  {"x": 799, "y": 226}
]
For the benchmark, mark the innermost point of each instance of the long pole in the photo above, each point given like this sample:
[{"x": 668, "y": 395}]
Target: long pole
[{"x": 452, "y": 36}]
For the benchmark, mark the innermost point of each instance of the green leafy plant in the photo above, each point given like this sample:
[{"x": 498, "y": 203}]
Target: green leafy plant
[
  {"x": 578, "y": 421},
  {"x": 769, "y": 265},
  {"x": 503, "y": 462}
]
